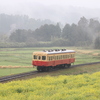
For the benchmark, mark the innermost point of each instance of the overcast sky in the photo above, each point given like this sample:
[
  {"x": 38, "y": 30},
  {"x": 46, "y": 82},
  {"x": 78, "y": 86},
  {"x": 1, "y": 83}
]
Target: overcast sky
[
  {"x": 79, "y": 3},
  {"x": 51, "y": 9}
]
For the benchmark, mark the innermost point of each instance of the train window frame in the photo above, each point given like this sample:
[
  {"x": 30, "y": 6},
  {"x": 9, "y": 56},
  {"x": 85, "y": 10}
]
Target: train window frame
[
  {"x": 34, "y": 56},
  {"x": 43, "y": 57}
]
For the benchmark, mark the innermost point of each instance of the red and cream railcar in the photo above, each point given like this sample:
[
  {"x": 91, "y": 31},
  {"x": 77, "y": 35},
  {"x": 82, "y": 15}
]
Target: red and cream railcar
[{"x": 44, "y": 60}]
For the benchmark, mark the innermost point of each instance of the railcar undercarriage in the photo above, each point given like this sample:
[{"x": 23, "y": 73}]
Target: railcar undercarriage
[{"x": 48, "y": 68}]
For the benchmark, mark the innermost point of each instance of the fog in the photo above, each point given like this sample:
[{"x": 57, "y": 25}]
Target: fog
[{"x": 64, "y": 11}]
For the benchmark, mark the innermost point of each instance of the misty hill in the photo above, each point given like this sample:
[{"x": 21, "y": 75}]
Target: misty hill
[{"x": 9, "y": 23}]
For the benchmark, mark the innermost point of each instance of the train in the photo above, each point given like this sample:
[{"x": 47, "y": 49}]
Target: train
[{"x": 49, "y": 59}]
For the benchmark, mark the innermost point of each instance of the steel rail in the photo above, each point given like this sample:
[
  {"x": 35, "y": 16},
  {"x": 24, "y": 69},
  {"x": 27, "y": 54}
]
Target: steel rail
[{"x": 12, "y": 77}]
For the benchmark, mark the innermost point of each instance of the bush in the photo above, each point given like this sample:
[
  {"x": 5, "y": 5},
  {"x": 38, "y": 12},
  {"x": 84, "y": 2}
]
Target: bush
[
  {"x": 73, "y": 87},
  {"x": 60, "y": 42}
]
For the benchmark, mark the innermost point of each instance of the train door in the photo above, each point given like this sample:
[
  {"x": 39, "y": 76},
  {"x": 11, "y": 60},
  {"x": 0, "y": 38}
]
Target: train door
[{"x": 53, "y": 60}]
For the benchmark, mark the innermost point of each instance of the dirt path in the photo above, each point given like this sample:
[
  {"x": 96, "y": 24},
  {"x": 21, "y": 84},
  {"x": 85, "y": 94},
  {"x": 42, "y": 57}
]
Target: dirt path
[{"x": 16, "y": 66}]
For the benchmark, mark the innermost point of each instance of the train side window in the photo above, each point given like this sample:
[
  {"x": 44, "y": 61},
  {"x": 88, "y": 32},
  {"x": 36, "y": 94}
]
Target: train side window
[
  {"x": 39, "y": 57},
  {"x": 49, "y": 59},
  {"x": 52, "y": 57},
  {"x": 35, "y": 57},
  {"x": 63, "y": 56},
  {"x": 43, "y": 57},
  {"x": 67, "y": 56},
  {"x": 55, "y": 57},
  {"x": 59, "y": 57}
]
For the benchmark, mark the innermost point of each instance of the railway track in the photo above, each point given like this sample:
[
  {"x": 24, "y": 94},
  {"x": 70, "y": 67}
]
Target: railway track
[{"x": 13, "y": 77}]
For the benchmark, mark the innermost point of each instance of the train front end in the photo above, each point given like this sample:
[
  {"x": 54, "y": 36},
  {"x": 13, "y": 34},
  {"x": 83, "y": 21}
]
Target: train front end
[{"x": 39, "y": 59}]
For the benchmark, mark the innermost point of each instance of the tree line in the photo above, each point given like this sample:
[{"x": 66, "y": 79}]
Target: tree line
[
  {"x": 85, "y": 33},
  {"x": 9, "y": 23}
]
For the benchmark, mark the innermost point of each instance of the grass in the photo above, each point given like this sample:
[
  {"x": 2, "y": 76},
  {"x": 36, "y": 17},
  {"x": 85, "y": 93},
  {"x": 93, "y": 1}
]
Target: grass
[
  {"x": 22, "y": 57},
  {"x": 11, "y": 71},
  {"x": 80, "y": 70}
]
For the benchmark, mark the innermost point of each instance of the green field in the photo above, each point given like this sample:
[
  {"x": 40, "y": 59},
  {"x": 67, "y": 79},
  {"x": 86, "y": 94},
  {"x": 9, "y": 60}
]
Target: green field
[
  {"x": 22, "y": 57},
  {"x": 11, "y": 71}
]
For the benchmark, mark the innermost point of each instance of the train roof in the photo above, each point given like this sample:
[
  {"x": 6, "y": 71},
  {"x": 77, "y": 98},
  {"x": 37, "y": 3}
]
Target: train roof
[{"x": 56, "y": 51}]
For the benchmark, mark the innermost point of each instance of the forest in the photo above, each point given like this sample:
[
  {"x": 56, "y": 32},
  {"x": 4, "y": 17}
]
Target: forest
[{"x": 22, "y": 31}]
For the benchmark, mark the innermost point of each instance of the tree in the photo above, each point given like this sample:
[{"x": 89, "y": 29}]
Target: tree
[
  {"x": 83, "y": 22},
  {"x": 47, "y": 32},
  {"x": 18, "y": 36},
  {"x": 94, "y": 25},
  {"x": 4, "y": 38},
  {"x": 66, "y": 31},
  {"x": 84, "y": 38},
  {"x": 97, "y": 43}
]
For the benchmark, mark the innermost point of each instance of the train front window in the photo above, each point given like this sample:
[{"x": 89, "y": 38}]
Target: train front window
[
  {"x": 43, "y": 57},
  {"x": 39, "y": 57},
  {"x": 35, "y": 57}
]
